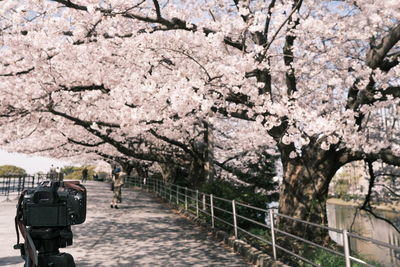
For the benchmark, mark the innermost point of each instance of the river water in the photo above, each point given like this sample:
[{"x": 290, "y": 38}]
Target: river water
[{"x": 340, "y": 216}]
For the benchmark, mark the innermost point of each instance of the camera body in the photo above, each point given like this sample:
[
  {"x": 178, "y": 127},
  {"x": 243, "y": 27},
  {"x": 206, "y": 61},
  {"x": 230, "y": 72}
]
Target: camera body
[{"x": 52, "y": 204}]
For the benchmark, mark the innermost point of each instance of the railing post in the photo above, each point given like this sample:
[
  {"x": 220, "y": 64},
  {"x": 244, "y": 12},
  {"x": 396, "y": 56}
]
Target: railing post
[
  {"x": 186, "y": 202},
  {"x": 177, "y": 194},
  {"x": 170, "y": 193},
  {"x": 234, "y": 218},
  {"x": 157, "y": 185},
  {"x": 271, "y": 219},
  {"x": 8, "y": 188},
  {"x": 204, "y": 202},
  {"x": 346, "y": 248},
  {"x": 212, "y": 210},
  {"x": 197, "y": 203}
]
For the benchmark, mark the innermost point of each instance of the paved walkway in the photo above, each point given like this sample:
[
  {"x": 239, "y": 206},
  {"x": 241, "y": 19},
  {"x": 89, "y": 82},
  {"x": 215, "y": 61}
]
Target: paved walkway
[{"x": 143, "y": 232}]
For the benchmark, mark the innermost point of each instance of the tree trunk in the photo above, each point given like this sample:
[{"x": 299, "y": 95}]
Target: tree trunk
[
  {"x": 304, "y": 191},
  {"x": 167, "y": 172},
  {"x": 209, "y": 152}
]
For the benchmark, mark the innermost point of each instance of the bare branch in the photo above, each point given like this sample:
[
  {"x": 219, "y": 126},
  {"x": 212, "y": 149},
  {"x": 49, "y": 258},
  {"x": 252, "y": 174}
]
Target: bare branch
[{"x": 157, "y": 6}]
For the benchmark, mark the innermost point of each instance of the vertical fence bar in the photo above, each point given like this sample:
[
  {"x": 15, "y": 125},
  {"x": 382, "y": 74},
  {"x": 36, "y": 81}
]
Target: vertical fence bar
[
  {"x": 186, "y": 202},
  {"x": 204, "y": 202},
  {"x": 271, "y": 219},
  {"x": 177, "y": 194},
  {"x": 197, "y": 203},
  {"x": 212, "y": 210},
  {"x": 158, "y": 187},
  {"x": 346, "y": 248},
  {"x": 8, "y": 188},
  {"x": 234, "y": 218},
  {"x": 19, "y": 184},
  {"x": 170, "y": 194}
]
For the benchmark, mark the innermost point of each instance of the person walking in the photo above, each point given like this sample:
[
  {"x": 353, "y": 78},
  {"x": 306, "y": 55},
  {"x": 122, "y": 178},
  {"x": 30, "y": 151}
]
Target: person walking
[
  {"x": 84, "y": 174},
  {"x": 118, "y": 180},
  {"x": 59, "y": 174}
]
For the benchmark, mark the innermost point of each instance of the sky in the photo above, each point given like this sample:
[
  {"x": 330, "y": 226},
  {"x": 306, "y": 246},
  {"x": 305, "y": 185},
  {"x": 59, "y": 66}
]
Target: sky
[{"x": 31, "y": 164}]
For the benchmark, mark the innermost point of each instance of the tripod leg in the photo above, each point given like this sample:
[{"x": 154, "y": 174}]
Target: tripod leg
[
  {"x": 28, "y": 261},
  {"x": 70, "y": 260},
  {"x": 58, "y": 260}
]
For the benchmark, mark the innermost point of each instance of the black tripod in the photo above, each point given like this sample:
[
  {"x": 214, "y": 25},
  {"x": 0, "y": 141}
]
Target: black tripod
[{"x": 47, "y": 242}]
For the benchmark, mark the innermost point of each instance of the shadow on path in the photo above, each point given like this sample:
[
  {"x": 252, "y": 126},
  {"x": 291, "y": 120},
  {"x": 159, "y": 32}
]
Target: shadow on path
[{"x": 143, "y": 232}]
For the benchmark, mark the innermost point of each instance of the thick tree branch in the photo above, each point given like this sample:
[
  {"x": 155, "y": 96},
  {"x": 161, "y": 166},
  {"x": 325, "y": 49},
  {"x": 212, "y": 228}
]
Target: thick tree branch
[
  {"x": 85, "y": 143},
  {"x": 17, "y": 73},
  {"x": 367, "y": 204},
  {"x": 69, "y": 4},
  {"x": 83, "y": 123},
  {"x": 118, "y": 145},
  {"x": 169, "y": 24},
  {"x": 81, "y": 88},
  {"x": 288, "y": 49},
  {"x": 386, "y": 155},
  {"x": 377, "y": 53},
  {"x": 231, "y": 169},
  {"x": 157, "y": 7},
  {"x": 173, "y": 142}
]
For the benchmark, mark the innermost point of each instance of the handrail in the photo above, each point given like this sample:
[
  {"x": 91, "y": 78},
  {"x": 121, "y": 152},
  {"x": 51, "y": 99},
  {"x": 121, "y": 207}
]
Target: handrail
[
  {"x": 310, "y": 223},
  {"x": 18, "y": 183},
  {"x": 202, "y": 204},
  {"x": 380, "y": 243}
]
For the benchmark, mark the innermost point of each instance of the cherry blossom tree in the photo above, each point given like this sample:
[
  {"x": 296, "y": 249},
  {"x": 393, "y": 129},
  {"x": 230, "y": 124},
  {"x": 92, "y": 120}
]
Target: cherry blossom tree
[{"x": 202, "y": 82}]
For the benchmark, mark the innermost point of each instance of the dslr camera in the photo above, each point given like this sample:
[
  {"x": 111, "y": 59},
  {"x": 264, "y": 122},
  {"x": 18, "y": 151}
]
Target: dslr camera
[
  {"x": 44, "y": 218},
  {"x": 52, "y": 205}
]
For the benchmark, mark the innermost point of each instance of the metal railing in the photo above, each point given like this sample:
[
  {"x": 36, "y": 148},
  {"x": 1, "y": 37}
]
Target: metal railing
[
  {"x": 216, "y": 210},
  {"x": 18, "y": 183}
]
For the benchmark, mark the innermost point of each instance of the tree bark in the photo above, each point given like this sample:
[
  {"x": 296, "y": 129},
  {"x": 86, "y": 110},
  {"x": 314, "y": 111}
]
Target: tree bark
[
  {"x": 304, "y": 191},
  {"x": 209, "y": 153}
]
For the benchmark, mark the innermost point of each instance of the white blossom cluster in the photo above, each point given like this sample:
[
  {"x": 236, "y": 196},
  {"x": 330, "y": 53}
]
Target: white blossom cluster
[{"x": 129, "y": 67}]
